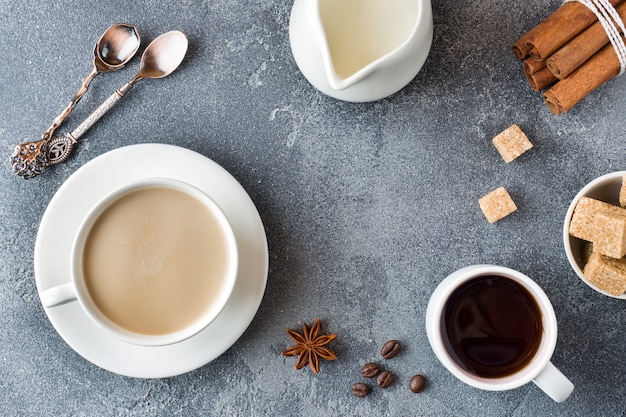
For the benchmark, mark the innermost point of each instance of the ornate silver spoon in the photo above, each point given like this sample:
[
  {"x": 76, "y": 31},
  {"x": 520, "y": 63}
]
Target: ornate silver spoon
[
  {"x": 160, "y": 59},
  {"x": 117, "y": 45}
]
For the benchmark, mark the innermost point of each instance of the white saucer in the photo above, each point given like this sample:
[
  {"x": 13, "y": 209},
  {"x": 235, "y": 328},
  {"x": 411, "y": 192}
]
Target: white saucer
[{"x": 96, "y": 179}]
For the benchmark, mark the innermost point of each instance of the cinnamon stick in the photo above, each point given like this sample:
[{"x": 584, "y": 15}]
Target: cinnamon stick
[
  {"x": 532, "y": 65},
  {"x": 564, "y": 61},
  {"x": 538, "y": 76},
  {"x": 556, "y": 30},
  {"x": 540, "y": 79},
  {"x": 596, "y": 71},
  {"x": 521, "y": 48}
]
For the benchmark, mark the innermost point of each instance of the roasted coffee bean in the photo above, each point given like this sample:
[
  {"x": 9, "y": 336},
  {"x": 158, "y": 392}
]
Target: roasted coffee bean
[
  {"x": 390, "y": 349},
  {"x": 370, "y": 370},
  {"x": 417, "y": 383},
  {"x": 385, "y": 378},
  {"x": 360, "y": 390}
]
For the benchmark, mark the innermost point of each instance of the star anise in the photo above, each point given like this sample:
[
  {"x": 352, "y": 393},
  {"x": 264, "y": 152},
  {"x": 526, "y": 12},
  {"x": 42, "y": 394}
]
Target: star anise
[{"x": 310, "y": 346}]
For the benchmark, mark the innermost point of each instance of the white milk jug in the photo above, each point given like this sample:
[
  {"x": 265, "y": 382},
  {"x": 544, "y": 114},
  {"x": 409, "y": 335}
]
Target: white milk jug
[{"x": 360, "y": 50}]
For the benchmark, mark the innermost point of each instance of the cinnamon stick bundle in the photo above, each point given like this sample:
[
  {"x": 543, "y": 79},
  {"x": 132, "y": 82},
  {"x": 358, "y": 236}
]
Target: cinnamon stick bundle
[
  {"x": 574, "y": 47},
  {"x": 599, "y": 69},
  {"x": 556, "y": 30},
  {"x": 572, "y": 55}
]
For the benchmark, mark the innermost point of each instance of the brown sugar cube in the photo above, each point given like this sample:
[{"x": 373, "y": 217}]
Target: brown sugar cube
[
  {"x": 497, "y": 204},
  {"x": 601, "y": 223},
  {"x": 622, "y": 193},
  {"x": 582, "y": 224},
  {"x": 511, "y": 143},
  {"x": 606, "y": 273},
  {"x": 611, "y": 239}
]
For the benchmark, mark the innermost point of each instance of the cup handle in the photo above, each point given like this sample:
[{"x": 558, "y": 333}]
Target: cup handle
[
  {"x": 58, "y": 295},
  {"x": 554, "y": 383}
]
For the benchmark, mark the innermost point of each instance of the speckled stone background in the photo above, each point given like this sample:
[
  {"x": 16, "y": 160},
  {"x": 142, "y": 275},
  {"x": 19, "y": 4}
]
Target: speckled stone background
[{"x": 367, "y": 207}]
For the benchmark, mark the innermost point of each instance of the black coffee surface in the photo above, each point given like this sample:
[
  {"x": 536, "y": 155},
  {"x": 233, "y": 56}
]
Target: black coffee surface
[{"x": 492, "y": 326}]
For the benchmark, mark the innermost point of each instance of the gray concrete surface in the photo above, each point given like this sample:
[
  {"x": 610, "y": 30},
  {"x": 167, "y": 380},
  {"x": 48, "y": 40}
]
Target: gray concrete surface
[{"x": 366, "y": 206}]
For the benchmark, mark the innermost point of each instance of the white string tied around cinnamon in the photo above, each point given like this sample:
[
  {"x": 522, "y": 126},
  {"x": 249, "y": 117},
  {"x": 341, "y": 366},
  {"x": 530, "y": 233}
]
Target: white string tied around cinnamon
[{"x": 612, "y": 24}]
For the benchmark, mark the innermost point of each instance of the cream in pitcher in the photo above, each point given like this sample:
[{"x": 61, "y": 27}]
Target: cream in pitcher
[
  {"x": 359, "y": 32},
  {"x": 360, "y": 50}
]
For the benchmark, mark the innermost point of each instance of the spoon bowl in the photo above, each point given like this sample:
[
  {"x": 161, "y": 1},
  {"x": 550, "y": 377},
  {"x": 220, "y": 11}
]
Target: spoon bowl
[
  {"x": 162, "y": 56},
  {"x": 116, "y": 47}
]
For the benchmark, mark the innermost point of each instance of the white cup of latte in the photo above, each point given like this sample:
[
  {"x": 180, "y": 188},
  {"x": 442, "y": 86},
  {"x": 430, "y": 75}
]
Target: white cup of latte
[
  {"x": 495, "y": 329},
  {"x": 153, "y": 263}
]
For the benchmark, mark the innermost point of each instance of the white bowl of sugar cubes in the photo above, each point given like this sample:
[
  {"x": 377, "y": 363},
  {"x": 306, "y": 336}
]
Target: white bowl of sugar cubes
[{"x": 594, "y": 234}]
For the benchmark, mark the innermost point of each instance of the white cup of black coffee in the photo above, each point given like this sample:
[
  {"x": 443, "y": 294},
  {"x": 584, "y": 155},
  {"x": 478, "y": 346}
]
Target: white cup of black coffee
[{"x": 495, "y": 329}]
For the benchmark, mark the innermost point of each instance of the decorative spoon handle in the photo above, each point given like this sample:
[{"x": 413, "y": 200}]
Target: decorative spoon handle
[
  {"x": 59, "y": 148},
  {"x": 66, "y": 112},
  {"x": 30, "y": 159},
  {"x": 100, "y": 111}
]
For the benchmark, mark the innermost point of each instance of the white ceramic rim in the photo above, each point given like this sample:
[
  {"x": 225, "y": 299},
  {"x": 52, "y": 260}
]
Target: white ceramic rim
[
  {"x": 77, "y": 254},
  {"x": 433, "y": 327},
  {"x": 602, "y": 181}
]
